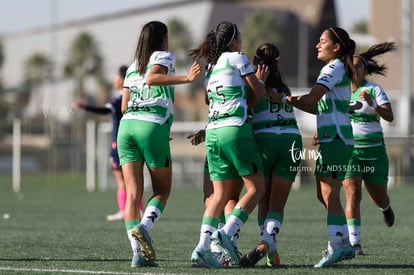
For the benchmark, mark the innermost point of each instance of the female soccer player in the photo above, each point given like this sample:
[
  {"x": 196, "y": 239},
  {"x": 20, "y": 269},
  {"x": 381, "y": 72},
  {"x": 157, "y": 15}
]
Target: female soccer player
[
  {"x": 230, "y": 147},
  {"x": 114, "y": 108},
  {"x": 143, "y": 135},
  {"x": 276, "y": 133},
  {"x": 196, "y": 138},
  {"x": 328, "y": 100},
  {"x": 369, "y": 161}
]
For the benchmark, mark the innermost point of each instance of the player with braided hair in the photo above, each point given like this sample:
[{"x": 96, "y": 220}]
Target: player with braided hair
[
  {"x": 231, "y": 87},
  {"x": 369, "y": 161}
]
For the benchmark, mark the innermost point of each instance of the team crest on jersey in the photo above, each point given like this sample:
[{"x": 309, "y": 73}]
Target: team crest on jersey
[{"x": 354, "y": 105}]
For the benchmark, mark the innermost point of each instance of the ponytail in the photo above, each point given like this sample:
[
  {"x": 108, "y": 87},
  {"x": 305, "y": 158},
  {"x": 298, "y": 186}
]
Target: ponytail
[
  {"x": 367, "y": 57},
  {"x": 217, "y": 41}
]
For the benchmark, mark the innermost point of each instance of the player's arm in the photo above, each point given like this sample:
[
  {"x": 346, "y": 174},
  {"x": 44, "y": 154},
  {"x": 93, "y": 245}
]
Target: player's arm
[
  {"x": 257, "y": 90},
  {"x": 197, "y": 137},
  {"x": 97, "y": 110},
  {"x": 125, "y": 99},
  {"x": 383, "y": 110},
  {"x": 158, "y": 75},
  {"x": 92, "y": 109},
  {"x": 307, "y": 102}
]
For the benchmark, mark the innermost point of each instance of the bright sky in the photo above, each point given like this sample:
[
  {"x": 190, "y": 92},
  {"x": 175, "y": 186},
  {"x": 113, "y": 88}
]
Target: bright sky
[{"x": 17, "y": 15}]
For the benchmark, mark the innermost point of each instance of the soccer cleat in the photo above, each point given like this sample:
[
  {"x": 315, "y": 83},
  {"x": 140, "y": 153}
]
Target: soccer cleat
[
  {"x": 388, "y": 216},
  {"x": 139, "y": 261},
  {"x": 115, "y": 217},
  {"x": 218, "y": 254},
  {"x": 251, "y": 258},
  {"x": 239, "y": 255},
  {"x": 273, "y": 259},
  {"x": 349, "y": 253},
  {"x": 329, "y": 258},
  {"x": 145, "y": 242},
  {"x": 201, "y": 258},
  {"x": 223, "y": 242},
  {"x": 358, "y": 249}
]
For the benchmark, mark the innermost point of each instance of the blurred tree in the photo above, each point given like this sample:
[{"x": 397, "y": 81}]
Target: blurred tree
[
  {"x": 37, "y": 70},
  {"x": 180, "y": 41},
  {"x": 259, "y": 27},
  {"x": 360, "y": 27},
  {"x": 84, "y": 60}
]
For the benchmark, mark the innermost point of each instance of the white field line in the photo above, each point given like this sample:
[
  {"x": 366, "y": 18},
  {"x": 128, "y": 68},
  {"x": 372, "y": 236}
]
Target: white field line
[{"x": 73, "y": 271}]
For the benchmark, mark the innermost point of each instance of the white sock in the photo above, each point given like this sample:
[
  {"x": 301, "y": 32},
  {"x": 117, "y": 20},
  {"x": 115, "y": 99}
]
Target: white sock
[
  {"x": 235, "y": 238},
  {"x": 335, "y": 236},
  {"x": 151, "y": 215},
  {"x": 345, "y": 236},
  {"x": 334, "y": 243},
  {"x": 354, "y": 234},
  {"x": 232, "y": 225},
  {"x": 134, "y": 243},
  {"x": 271, "y": 228},
  {"x": 335, "y": 230},
  {"x": 205, "y": 236}
]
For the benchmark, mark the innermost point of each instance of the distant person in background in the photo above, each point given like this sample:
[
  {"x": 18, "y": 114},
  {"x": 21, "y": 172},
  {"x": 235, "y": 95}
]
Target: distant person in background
[
  {"x": 369, "y": 161},
  {"x": 143, "y": 136},
  {"x": 114, "y": 108},
  {"x": 329, "y": 100}
]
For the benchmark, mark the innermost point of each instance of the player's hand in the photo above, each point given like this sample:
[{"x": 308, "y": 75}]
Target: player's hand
[
  {"x": 194, "y": 71},
  {"x": 197, "y": 137},
  {"x": 315, "y": 140},
  {"x": 274, "y": 97},
  {"x": 262, "y": 72},
  {"x": 76, "y": 105},
  {"x": 365, "y": 96}
]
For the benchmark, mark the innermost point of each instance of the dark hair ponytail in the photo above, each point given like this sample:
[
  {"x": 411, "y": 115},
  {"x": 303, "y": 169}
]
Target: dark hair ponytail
[
  {"x": 150, "y": 40},
  {"x": 268, "y": 54},
  {"x": 367, "y": 57},
  {"x": 339, "y": 35}
]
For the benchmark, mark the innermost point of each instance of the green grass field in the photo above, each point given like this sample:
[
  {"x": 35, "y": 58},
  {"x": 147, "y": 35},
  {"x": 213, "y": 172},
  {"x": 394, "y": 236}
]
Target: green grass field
[{"x": 61, "y": 229}]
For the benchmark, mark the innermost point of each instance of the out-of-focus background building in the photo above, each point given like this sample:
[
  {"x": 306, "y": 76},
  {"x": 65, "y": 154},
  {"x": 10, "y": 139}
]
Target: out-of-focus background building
[{"x": 44, "y": 69}]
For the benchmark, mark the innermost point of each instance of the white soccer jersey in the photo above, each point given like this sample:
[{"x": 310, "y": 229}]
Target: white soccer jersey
[
  {"x": 227, "y": 90},
  {"x": 274, "y": 118},
  {"x": 150, "y": 103},
  {"x": 365, "y": 121},
  {"x": 332, "y": 115}
]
